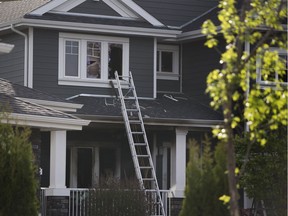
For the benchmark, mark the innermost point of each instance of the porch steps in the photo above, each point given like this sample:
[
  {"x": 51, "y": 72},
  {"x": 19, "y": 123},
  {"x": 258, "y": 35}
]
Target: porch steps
[{"x": 137, "y": 138}]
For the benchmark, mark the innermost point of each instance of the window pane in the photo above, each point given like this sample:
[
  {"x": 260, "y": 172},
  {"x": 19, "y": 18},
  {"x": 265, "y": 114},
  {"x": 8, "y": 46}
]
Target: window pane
[
  {"x": 93, "y": 60},
  {"x": 166, "y": 61},
  {"x": 115, "y": 60},
  {"x": 71, "y": 58}
]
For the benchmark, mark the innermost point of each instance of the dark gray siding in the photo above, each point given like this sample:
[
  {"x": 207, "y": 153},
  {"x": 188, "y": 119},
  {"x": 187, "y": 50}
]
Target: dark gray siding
[
  {"x": 94, "y": 7},
  {"x": 198, "y": 61},
  {"x": 46, "y": 66},
  {"x": 12, "y": 64},
  {"x": 141, "y": 65},
  {"x": 168, "y": 86}
]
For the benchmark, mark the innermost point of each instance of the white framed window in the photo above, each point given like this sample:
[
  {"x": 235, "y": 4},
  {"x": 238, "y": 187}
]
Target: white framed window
[
  {"x": 89, "y": 60},
  {"x": 167, "y": 62},
  {"x": 265, "y": 80}
]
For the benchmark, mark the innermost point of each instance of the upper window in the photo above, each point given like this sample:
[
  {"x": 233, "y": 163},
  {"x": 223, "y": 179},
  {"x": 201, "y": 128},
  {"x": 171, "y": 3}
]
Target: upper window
[
  {"x": 273, "y": 76},
  {"x": 167, "y": 62},
  {"x": 87, "y": 60}
]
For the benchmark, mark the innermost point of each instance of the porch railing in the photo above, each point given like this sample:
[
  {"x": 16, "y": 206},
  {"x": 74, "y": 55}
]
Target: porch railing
[{"x": 78, "y": 196}]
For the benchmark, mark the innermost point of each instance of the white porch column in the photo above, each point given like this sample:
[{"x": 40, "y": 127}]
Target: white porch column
[
  {"x": 178, "y": 153},
  {"x": 58, "y": 159}
]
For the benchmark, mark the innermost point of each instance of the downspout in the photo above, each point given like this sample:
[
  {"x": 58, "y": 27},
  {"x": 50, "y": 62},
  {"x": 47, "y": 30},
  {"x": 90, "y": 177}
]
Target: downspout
[{"x": 25, "y": 53}]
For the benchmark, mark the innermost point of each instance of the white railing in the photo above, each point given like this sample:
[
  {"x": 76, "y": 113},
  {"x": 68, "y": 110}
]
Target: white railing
[{"x": 78, "y": 197}]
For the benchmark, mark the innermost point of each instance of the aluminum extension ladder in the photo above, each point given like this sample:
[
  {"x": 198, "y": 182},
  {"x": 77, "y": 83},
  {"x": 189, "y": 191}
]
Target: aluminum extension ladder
[{"x": 137, "y": 138}]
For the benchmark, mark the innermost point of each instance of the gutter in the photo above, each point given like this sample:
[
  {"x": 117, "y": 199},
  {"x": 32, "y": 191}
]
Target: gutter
[
  {"x": 97, "y": 28},
  {"x": 25, "y": 53},
  {"x": 154, "y": 121}
]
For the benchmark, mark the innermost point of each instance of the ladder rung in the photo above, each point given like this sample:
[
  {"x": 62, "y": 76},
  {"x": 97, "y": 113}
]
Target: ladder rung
[
  {"x": 137, "y": 132},
  {"x": 144, "y": 156},
  {"x": 135, "y": 121},
  {"x": 145, "y": 167},
  {"x": 129, "y": 98},
  {"x": 148, "y": 179},
  {"x": 140, "y": 144}
]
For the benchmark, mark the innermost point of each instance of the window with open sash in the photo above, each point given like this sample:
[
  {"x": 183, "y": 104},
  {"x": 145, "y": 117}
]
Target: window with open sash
[{"x": 91, "y": 60}]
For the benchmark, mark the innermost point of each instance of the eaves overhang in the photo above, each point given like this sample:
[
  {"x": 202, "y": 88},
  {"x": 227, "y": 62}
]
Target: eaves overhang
[
  {"x": 199, "y": 123},
  {"x": 45, "y": 122},
  {"x": 60, "y": 106},
  {"x": 93, "y": 28}
]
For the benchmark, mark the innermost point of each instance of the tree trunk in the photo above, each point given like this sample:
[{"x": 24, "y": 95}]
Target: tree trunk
[{"x": 231, "y": 160}]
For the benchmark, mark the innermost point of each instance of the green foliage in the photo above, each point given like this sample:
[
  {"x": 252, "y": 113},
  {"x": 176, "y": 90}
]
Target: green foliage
[
  {"x": 263, "y": 109},
  {"x": 265, "y": 176},
  {"x": 249, "y": 28},
  {"x": 114, "y": 198},
  {"x": 206, "y": 181},
  {"x": 18, "y": 183}
]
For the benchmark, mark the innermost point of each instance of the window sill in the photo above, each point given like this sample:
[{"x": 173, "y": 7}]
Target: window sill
[
  {"x": 89, "y": 83},
  {"x": 167, "y": 76},
  {"x": 265, "y": 84}
]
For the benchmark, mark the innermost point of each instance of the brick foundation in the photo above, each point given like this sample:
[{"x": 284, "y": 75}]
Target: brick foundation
[
  {"x": 176, "y": 205},
  {"x": 57, "y": 206}
]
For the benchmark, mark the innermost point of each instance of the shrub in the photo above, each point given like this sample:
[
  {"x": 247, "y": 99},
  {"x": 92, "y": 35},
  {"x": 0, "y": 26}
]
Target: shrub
[
  {"x": 18, "y": 184},
  {"x": 113, "y": 198},
  {"x": 206, "y": 181}
]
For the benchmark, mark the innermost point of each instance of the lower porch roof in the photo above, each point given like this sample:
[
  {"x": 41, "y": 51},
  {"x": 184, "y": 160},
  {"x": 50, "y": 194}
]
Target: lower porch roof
[{"x": 166, "y": 109}]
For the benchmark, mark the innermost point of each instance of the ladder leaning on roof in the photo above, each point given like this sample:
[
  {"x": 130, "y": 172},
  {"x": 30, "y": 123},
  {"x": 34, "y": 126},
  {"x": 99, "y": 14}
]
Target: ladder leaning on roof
[{"x": 137, "y": 138}]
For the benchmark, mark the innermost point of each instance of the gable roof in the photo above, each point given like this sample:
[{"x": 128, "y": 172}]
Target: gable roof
[{"x": 176, "y": 13}]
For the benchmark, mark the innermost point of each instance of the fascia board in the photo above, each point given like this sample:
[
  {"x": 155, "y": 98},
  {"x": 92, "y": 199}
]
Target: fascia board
[
  {"x": 97, "y": 28},
  {"x": 144, "y": 14},
  {"x": 155, "y": 121},
  {"x": 47, "y": 7},
  {"x": 60, "y": 106},
  {"x": 193, "y": 34},
  {"x": 121, "y": 9},
  {"x": 45, "y": 122}
]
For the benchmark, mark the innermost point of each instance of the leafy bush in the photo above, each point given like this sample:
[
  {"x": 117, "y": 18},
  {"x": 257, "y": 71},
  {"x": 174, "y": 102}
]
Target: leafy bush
[
  {"x": 206, "y": 181},
  {"x": 18, "y": 183},
  {"x": 265, "y": 174},
  {"x": 113, "y": 198}
]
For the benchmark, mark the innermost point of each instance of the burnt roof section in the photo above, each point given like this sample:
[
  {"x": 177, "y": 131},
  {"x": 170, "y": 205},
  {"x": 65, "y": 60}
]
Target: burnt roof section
[
  {"x": 16, "y": 90},
  {"x": 93, "y": 20},
  {"x": 169, "y": 107},
  {"x": 13, "y": 10},
  {"x": 176, "y": 13}
]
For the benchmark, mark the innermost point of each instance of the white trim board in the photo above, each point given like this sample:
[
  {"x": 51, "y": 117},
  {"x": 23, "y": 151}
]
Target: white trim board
[
  {"x": 45, "y": 122},
  {"x": 97, "y": 28},
  {"x": 60, "y": 106},
  {"x": 125, "y": 8}
]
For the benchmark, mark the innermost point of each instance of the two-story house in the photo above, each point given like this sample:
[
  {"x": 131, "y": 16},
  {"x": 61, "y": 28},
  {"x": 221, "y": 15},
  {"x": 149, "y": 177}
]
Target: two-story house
[{"x": 71, "y": 49}]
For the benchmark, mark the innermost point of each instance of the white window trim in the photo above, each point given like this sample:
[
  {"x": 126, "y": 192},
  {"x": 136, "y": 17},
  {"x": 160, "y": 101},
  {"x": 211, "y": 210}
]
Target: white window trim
[
  {"x": 175, "y": 73},
  {"x": 258, "y": 69},
  {"x": 81, "y": 80}
]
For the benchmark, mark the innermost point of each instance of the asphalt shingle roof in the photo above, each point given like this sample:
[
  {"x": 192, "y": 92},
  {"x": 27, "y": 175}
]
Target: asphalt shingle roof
[
  {"x": 13, "y": 10},
  {"x": 15, "y": 90},
  {"x": 10, "y": 101}
]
